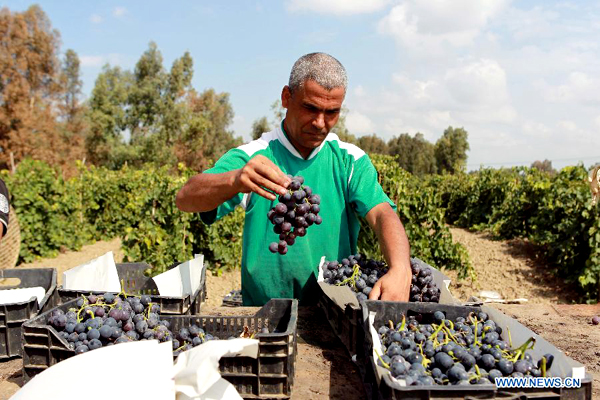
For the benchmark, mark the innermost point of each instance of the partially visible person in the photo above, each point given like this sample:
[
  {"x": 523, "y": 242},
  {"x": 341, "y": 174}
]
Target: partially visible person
[{"x": 4, "y": 209}]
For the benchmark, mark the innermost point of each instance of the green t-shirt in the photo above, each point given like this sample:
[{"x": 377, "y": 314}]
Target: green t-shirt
[{"x": 345, "y": 179}]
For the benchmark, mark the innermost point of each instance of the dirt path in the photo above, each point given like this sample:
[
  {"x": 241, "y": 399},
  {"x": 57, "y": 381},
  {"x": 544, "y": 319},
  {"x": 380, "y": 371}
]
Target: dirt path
[{"x": 509, "y": 268}]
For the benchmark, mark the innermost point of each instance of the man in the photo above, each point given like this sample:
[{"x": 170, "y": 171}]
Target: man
[
  {"x": 253, "y": 174},
  {"x": 4, "y": 209}
]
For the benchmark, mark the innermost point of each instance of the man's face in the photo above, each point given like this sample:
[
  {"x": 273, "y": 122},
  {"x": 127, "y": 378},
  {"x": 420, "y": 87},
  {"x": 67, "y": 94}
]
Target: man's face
[{"x": 312, "y": 111}]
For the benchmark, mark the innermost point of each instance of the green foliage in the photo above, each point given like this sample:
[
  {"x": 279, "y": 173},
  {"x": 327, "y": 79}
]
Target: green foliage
[
  {"x": 414, "y": 154},
  {"x": 166, "y": 119},
  {"x": 372, "y": 144},
  {"x": 421, "y": 212},
  {"x": 451, "y": 150},
  {"x": 552, "y": 211},
  {"x": 259, "y": 127}
]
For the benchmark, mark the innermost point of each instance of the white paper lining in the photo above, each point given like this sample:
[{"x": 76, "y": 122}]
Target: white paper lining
[
  {"x": 99, "y": 274},
  {"x": 19, "y": 295},
  {"x": 195, "y": 374}
]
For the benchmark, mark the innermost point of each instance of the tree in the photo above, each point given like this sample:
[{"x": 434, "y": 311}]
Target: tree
[
  {"x": 545, "y": 166},
  {"x": 451, "y": 150},
  {"x": 278, "y": 112},
  {"x": 107, "y": 116},
  {"x": 259, "y": 127},
  {"x": 29, "y": 89},
  {"x": 215, "y": 133},
  {"x": 145, "y": 100},
  {"x": 72, "y": 83},
  {"x": 372, "y": 144},
  {"x": 414, "y": 154}
]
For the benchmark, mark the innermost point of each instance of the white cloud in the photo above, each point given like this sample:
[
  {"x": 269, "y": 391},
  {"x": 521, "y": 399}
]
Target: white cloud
[
  {"x": 359, "y": 91},
  {"x": 337, "y": 7},
  {"x": 359, "y": 124},
  {"x": 113, "y": 59},
  {"x": 91, "y": 61},
  {"x": 119, "y": 12},
  {"x": 96, "y": 19},
  {"x": 430, "y": 26},
  {"x": 579, "y": 88},
  {"x": 568, "y": 125},
  {"x": 479, "y": 82}
]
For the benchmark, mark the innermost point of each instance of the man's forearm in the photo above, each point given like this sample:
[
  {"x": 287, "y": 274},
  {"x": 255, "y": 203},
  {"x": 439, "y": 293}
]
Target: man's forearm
[
  {"x": 395, "y": 285},
  {"x": 393, "y": 240},
  {"x": 205, "y": 192}
]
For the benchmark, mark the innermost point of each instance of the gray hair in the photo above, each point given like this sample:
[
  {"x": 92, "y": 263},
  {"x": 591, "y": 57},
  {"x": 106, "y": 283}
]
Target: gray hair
[{"x": 322, "y": 68}]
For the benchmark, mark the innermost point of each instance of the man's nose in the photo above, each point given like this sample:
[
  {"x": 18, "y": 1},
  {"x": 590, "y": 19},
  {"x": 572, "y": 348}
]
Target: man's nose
[{"x": 319, "y": 121}]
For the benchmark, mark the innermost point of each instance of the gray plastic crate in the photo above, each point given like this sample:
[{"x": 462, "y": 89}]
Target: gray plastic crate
[
  {"x": 12, "y": 316},
  {"x": 343, "y": 311},
  {"x": 382, "y": 386},
  {"x": 271, "y": 375},
  {"x": 135, "y": 282}
]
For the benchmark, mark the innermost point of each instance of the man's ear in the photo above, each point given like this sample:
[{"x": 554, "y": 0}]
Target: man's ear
[{"x": 286, "y": 94}]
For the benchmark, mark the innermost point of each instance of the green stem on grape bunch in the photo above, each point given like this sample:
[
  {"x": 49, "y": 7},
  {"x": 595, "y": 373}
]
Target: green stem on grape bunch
[
  {"x": 474, "y": 321},
  {"x": 148, "y": 310},
  {"x": 391, "y": 324},
  {"x": 509, "y": 337},
  {"x": 476, "y": 375},
  {"x": 435, "y": 332},
  {"x": 385, "y": 365},
  {"x": 450, "y": 335},
  {"x": 543, "y": 366},
  {"x": 520, "y": 351},
  {"x": 403, "y": 324},
  {"x": 451, "y": 324},
  {"x": 425, "y": 361},
  {"x": 356, "y": 273}
]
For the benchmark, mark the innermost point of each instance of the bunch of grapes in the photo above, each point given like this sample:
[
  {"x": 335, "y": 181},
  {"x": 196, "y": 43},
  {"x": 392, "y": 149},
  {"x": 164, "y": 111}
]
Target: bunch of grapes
[
  {"x": 361, "y": 274},
  {"x": 111, "y": 319},
  {"x": 357, "y": 272},
  {"x": 460, "y": 352},
  {"x": 422, "y": 287},
  {"x": 296, "y": 210}
]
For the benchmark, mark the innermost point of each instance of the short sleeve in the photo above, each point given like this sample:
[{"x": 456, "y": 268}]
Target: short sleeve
[
  {"x": 364, "y": 189},
  {"x": 4, "y": 207},
  {"x": 232, "y": 160}
]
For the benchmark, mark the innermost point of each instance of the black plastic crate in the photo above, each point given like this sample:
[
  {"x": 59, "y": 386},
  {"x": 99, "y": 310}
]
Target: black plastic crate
[
  {"x": 384, "y": 387},
  {"x": 133, "y": 281},
  {"x": 12, "y": 316},
  {"x": 344, "y": 313},
  {"x": 233, "y": 299},
  {"x": 271, "y": 375}
]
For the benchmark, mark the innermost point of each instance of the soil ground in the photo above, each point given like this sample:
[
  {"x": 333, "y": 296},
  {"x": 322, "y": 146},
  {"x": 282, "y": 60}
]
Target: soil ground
[
  {"x": 509, "y": 268},
  {"x": 323, "y": 368}
]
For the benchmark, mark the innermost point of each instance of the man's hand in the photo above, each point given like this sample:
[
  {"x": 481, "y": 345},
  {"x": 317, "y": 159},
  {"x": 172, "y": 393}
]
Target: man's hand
[
  {"x": 393, "y": 286},
  {"x": 259, "y": 173}
]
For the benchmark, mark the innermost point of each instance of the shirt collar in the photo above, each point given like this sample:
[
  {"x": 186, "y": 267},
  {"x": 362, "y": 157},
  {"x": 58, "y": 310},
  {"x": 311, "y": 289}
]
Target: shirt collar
[{"x": 283, "y": 138}]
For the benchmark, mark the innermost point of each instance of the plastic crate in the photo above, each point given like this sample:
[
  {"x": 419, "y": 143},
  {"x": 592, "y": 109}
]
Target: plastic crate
[
  {"x": 135, "y": 282},
  {"x": 343, "y": 311},
  {"x": 233, "y": 299},
  {"x": 384, "y": 387},
  {"x": 12, "y": 316},
  {"x": 271, "y": 375}
]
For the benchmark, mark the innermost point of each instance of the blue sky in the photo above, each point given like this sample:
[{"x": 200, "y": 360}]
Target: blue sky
[{"x": 521, "y": 77}]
